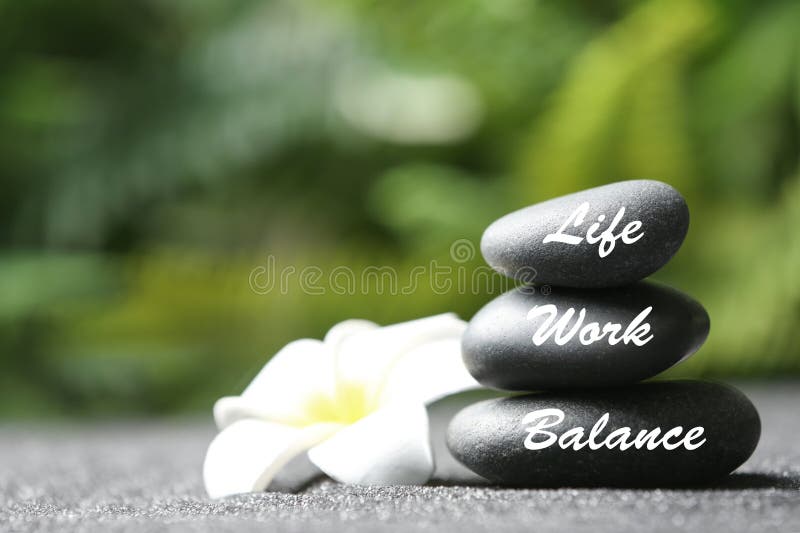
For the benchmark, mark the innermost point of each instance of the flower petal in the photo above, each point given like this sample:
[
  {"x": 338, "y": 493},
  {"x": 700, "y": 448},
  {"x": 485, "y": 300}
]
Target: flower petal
[
  {"x": 246, "y": 455},
  {"x": 427, "y": 373},
  {"x": 388, "y": 447},
  {"x": 440, "y": 413},
  {"x": 366, "y": 357},
  {"x": 286, "y": 387},
  {"x": 342, "y": 330},
  {"x": 295, "y": 475}
]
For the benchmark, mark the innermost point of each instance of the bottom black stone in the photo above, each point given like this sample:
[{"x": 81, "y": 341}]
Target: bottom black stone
[{"x": 651, "y": 434}]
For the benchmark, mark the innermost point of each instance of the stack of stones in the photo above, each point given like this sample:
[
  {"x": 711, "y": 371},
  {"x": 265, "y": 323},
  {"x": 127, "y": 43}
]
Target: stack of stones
[{"x": 583, "y": 335}]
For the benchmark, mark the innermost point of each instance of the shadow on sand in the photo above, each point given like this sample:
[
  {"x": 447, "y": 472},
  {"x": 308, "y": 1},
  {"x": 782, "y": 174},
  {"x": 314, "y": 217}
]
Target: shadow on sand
[
  {"x": 737, "y": 481},
  {"x": 756, "y": 480}
]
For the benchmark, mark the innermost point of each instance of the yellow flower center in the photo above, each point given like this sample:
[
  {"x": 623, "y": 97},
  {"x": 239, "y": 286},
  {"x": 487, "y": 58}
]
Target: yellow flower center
[{"x": 350, "y": 404}]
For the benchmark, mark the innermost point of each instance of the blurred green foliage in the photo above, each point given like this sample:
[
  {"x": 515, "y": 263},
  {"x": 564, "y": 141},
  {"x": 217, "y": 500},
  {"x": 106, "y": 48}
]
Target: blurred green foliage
[{"x": 156, "y": 153}]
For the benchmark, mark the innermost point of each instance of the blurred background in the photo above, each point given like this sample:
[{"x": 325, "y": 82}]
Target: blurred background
[{"x": 155, "y": 154}]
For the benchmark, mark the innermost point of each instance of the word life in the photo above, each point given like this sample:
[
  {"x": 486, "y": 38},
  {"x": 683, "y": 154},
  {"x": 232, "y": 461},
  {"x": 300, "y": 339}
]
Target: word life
[
  {"x": 538, "y": 438},
  {"x": 606, "y": 238},
  {"x": 636, "y": 331}
]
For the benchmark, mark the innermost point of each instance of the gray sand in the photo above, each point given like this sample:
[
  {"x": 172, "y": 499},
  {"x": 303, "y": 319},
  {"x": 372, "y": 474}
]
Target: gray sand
[{"x": 146, "y": 476}]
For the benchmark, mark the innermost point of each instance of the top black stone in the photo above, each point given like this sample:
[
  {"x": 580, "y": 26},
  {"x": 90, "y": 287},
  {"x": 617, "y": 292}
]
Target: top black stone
[{"x": 601, "y": 237}]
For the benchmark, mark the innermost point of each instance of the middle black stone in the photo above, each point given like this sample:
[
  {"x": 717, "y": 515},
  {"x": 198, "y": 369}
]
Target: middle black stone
[{"x": 525, "y": 340}]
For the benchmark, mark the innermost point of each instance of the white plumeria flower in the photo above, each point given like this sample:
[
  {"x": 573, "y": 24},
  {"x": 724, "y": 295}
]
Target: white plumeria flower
[{"x": 355, "y": 402}]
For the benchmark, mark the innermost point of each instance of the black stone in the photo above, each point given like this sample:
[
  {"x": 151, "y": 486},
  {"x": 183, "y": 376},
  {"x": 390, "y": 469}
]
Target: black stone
[
  {"x": 499, "y": 350},
  {"x": 489, "y": 436},
  {"x": 514, "y": 244}
]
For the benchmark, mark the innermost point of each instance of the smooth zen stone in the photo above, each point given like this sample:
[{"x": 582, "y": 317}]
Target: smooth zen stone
[
  {"x": 652, "y": 434},
  {"x": 602, "y": 237},
  {"x": 526, "y": 340}
]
